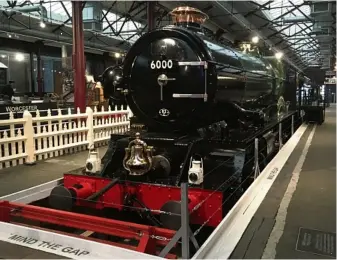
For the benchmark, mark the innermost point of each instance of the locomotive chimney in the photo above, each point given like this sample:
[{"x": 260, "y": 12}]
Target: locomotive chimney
[{"x": 188, "y": 17}]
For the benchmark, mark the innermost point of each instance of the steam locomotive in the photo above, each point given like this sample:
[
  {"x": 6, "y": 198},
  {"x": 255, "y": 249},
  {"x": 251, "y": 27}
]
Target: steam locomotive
[{"x": 198, "y": 106}]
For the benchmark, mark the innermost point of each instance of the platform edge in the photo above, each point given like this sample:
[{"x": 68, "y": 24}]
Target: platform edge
[
  {"x": 95, "y": 250},
  {"x": 34, "y": 193},
  {"x": 226, "y": 236}
]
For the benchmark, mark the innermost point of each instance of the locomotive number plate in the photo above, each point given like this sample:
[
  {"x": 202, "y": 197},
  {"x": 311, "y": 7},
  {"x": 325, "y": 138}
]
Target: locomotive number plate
[{"x": 162, "y": 64}]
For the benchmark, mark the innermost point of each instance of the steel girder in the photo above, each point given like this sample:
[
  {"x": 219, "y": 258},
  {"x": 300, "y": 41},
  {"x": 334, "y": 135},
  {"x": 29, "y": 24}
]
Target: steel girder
[
  {"x": 240, "y": 19},
  {"x": 136, "y": 8}
]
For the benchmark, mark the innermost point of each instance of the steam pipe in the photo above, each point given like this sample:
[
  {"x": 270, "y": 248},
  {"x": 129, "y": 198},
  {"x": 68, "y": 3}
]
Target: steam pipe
[{"x": 30, "y": 9}]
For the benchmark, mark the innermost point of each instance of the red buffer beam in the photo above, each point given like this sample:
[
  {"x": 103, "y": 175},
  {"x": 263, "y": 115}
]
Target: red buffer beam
[{"x": 204, "y": 205}]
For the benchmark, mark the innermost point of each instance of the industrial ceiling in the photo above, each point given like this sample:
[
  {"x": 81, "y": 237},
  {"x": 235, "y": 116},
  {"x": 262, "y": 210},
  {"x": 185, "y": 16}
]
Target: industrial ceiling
[{"x": 305, "y": 31}]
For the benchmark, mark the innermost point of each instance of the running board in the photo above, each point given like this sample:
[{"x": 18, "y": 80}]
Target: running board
[{"x": 176, "y": 95}]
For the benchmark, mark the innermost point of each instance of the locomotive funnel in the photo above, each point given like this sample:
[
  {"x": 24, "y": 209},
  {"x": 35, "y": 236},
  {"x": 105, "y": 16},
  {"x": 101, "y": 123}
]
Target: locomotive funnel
[{"x": 188, "y": 15}]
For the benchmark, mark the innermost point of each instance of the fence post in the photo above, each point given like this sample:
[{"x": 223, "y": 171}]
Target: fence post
[
  {"x": 130, "y": 114},
  {"x": 90, "y": 126},
  {"x": 28, "y": 131}
]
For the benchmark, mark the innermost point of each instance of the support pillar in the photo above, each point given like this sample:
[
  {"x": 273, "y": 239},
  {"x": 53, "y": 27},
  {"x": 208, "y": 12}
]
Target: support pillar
[
  {"x": 150, "y": 15},
  {"x": 78, "y": 56},
  {"x": 67, "y": 73},
  {"x": 39, "y": 72},
  {"x": 32, "y": 78},
  {"x": 65, "y": 54}
]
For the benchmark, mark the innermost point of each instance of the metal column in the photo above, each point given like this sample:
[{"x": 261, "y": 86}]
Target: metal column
[
  {"x": 78, "y": 56},
  {"x": 150, "y": 15},
  {"x": 32, "y": 78},
  {"x": 39, "y": 72}
]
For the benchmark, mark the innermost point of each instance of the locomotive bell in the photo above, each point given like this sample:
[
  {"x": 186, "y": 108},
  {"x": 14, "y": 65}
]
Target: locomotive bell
[{"x": 138, "y": 157}]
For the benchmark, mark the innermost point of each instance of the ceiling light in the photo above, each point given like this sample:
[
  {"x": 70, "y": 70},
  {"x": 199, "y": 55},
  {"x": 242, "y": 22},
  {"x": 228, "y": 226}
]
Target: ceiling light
[
  {"x": 255, "y": 39},
  {"x": 42, "y": 25},
  {"x": 19, "y": 57},
  {"x": 117, "y": 55},
  {"x": 3, "y": 56},
  {"x": 278, "y": 55}
]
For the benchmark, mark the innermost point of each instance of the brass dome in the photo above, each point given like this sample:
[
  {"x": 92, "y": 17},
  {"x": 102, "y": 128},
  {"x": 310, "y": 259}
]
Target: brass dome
[{"x": 186, "y": 14}]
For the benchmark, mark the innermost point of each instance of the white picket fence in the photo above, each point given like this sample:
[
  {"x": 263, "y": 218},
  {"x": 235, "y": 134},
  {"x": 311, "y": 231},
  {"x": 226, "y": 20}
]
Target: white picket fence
[{"x": 33, "y": 138}]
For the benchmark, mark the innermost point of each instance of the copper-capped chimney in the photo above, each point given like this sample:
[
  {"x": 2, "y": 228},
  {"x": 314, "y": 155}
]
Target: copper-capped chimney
[{"x": 188, "y": 16}]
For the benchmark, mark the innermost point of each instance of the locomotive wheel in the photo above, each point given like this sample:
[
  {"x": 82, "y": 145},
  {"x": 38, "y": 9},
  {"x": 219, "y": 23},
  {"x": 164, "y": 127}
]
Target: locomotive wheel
[{"x": 171, "y": 221}]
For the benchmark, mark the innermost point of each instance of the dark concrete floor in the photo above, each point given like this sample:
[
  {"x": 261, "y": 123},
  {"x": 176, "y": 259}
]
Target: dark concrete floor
[
  {"x": 23, "y": 177},
  {"x": 313, "y": 204}
]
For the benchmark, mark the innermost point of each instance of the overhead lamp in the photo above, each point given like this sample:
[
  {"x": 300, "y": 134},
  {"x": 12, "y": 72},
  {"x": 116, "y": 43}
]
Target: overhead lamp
[
  {"x": 42, "y": 24},
  {"x": 117, "y": 55},
  {"x": 278, "y": 55},
  {"x": 19, "y": 57},
  {"x": 255, "y": 39},
  {"x": 3, "y": 56}
]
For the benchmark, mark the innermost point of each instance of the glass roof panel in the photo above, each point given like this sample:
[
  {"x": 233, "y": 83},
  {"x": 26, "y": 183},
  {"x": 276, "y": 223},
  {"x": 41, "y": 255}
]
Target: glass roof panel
[
  {"x": 56, "y": 13},
  {"x": 298, "y": 34}
]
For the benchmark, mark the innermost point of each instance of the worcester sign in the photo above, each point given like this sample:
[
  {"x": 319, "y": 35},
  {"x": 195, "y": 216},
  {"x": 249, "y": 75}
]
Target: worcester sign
[{"x": 20, "y": 108}]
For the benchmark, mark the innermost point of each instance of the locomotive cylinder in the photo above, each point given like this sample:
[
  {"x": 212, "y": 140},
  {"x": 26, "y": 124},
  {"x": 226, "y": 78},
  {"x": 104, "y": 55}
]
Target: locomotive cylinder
[{"x": 64, "y": 198}]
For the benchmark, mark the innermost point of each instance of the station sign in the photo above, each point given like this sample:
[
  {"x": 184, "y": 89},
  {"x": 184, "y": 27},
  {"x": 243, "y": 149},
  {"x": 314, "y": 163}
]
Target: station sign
[
  {"x": 330, "y": 73},
  {"x": 330, "y": 81}
]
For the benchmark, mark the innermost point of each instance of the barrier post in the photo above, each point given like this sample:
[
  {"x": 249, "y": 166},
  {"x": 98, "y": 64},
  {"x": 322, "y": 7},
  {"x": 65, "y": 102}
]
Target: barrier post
[
  {"x": 280, "y": 135},
  {"x": 292, "y": 124},
  {"x": 256, "y": 157},
  {"x": 28, "y": 131},
  {"x": 185, "y": 225},
  {"x": 185, "y": 232}
]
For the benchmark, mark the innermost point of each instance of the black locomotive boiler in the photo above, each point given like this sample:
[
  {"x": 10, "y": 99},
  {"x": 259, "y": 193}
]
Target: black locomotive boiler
[
  {"x": 176, "y": 79},
  {"x": 198, "y": 107}
]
